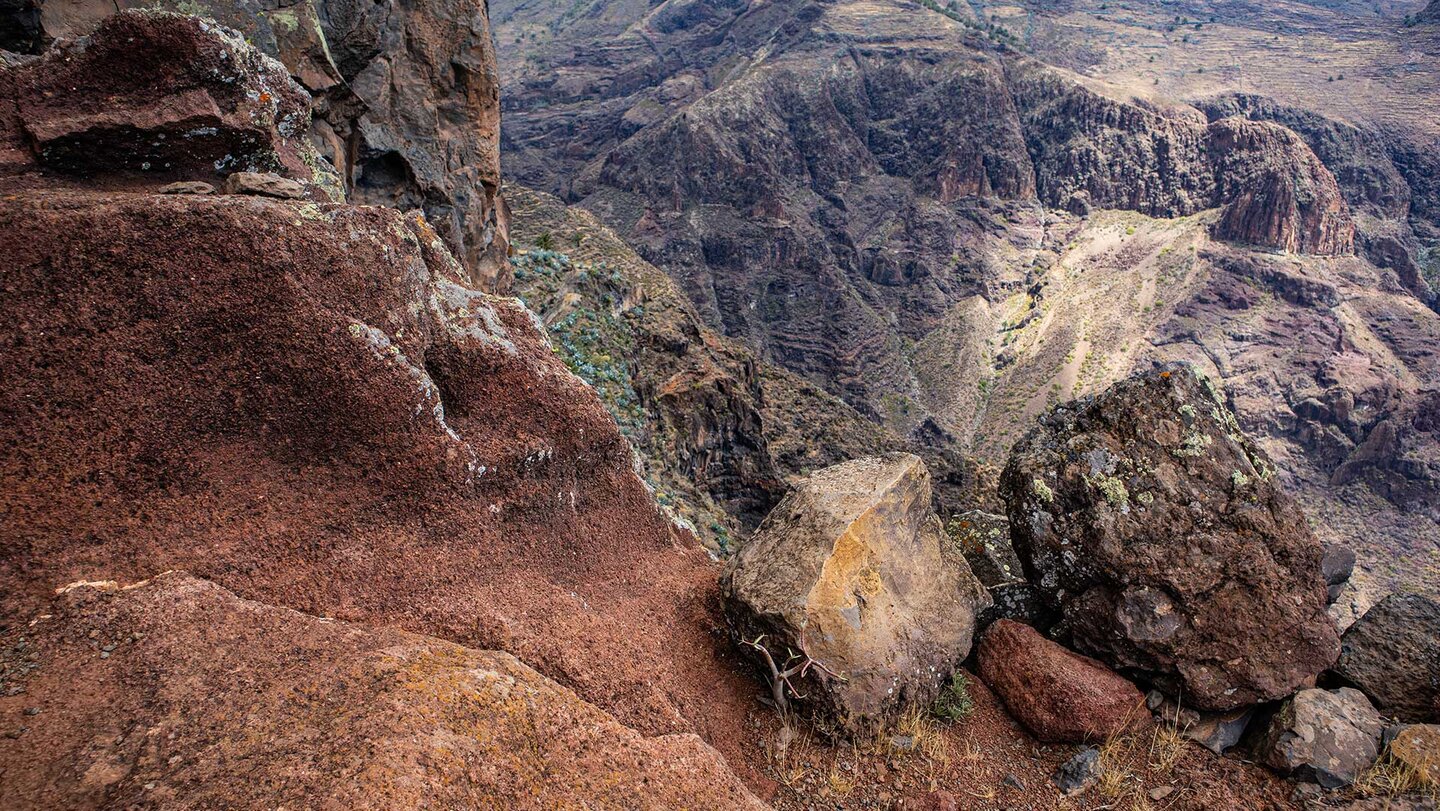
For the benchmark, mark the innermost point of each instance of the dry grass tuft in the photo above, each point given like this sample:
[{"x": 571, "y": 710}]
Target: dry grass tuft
[
  {"x": 926, "y": 735},
  {"x": 1128, "y": 761},
  {"x": 780, "y": 753},
  {"x": 1391, "y": 778},
  {"x": 1167, "y": 745},
  {"x": 843, "y": 776}
]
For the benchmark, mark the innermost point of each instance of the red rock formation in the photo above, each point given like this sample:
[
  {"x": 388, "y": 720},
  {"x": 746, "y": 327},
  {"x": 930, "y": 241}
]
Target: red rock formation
[
  {"x": 190, "y": 697},
  {"x": 408, "y": 105},
  {"x": 1059, "y": 695},
  {"x": 305, "y": 404},
  {"x": 1277, "y": 194},
  {"x": 159, "y": 97}
]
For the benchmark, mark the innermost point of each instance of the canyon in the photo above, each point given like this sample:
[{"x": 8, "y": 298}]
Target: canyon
[{"x": 945, "y": 218}]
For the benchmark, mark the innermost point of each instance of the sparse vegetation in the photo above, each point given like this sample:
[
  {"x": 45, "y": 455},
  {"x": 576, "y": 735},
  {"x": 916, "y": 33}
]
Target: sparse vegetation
[
  {"x": 1389, "y": 777},
  {"x": 1043, "y": 491},
  {"x": 954, "y": 703}
]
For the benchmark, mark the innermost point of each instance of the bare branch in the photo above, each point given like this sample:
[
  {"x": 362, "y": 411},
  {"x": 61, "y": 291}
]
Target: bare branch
[{"x": 780, "y": 680}]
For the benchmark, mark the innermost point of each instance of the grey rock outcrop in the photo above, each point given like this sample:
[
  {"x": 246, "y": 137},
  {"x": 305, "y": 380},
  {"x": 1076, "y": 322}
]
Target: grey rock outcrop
[
  {"x": 1323, "y": 736},
  {"x": 1336, "y": 566},
  {"x": 984, "y": 540},
  {"x": 1392, "y": 653}
]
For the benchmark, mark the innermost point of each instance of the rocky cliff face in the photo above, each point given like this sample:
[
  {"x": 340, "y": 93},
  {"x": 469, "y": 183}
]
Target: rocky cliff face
[
  {"x": 407, "y": 101},
  {"x": 818, "y": 216},
  {"x": 201, "y": 106},
  {"x": 719, "y": 432},
  {"x": 1278, "y": 193},
  {"x": 1094, "y": 151}
]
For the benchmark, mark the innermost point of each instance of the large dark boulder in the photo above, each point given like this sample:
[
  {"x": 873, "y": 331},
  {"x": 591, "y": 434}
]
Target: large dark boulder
[
  {"x": 1392, "y": 653},
  {"x": 1158, "y": 528},
  {"x": 852, "y": 571}
]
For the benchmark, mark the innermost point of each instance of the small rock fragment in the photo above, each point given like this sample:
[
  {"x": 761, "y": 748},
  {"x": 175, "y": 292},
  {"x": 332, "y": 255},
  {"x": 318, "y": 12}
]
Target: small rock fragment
[
  {"x": 188, "y": 187},
  {"x": 1079, "y": 772},
  {"x": 264, "y": 184},
  {"x": 1216, "y": 731}
]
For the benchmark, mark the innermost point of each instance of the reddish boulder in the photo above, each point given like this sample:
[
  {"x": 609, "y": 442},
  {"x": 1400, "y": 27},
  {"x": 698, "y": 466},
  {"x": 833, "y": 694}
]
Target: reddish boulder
[
  {"x": 194, "y": 698},
  {"x": 1158, "y": 528},
  {"x": 1059, "y": 695},
  {"x": 155, "y": 97},
  {"x": 1276, "y": 192}
]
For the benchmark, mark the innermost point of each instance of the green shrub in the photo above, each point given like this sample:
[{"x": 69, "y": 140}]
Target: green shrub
[{"x": 954, "y": 703}]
